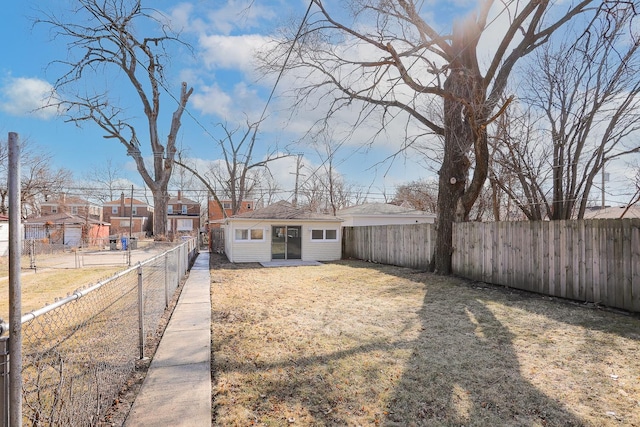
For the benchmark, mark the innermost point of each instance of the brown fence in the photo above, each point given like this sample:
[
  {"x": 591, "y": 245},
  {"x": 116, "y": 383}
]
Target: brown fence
[
  {"x": 585, "y": 260},
  {"x": 404, "y": 245}
]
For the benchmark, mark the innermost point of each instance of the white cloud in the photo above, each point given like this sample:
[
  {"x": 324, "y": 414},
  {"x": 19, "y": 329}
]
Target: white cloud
[
  {"x": 212, "y": 100},
  {"x": 244, "y": 14},
  {"x": 233, "y": 52},
  {"x": 22, "y": 96}
]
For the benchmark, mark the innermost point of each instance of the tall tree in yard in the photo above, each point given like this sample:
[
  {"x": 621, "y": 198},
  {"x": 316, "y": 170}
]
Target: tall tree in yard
[
  {"x": 105, "y": 34},
  {"x": 389, "y": 58}
]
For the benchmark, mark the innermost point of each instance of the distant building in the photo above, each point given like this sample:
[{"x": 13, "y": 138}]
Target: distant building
[
  {"x": 215, "y": 212},
  {"x": 183, "y": 215},
  {"x": 72, "y": 205},
  {"x": 127, "y": 215},
  {"x": 609, "y": 212},
  {"x": 66, "y": 229},
  {"x": 383, "y": 214}
]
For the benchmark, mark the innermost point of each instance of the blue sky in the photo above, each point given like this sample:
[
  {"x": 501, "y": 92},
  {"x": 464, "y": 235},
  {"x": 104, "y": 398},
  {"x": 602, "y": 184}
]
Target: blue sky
[
  {"x": 221, "y": 71},
  {"x": 224, "y": 35}
]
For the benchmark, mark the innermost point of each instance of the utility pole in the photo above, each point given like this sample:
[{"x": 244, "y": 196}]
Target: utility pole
[
  {"x": 15, "y": 286},
  {"x": 605, "y": 178},
  {"x": 295, "y": 191}
]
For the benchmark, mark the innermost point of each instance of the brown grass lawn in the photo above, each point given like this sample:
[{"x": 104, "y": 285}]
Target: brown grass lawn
[
  {"x": 43, "y": 287},
  {"x": 351, "y": 343}
]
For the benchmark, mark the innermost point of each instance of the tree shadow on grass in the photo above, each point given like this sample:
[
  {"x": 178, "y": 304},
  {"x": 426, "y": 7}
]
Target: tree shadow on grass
[
  {"x": 464, "y": 371},
  {"x": 459, "y": 368}
]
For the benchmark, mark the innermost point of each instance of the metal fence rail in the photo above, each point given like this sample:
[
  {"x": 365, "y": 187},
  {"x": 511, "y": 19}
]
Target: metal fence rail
[{"x": 79, "y": 351}]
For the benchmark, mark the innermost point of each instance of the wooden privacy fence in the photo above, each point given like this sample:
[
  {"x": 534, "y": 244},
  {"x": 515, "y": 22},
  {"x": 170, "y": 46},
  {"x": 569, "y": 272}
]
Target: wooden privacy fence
[
  {"x": 586, "y": 260},
  {"x": 404, "y": 245}
]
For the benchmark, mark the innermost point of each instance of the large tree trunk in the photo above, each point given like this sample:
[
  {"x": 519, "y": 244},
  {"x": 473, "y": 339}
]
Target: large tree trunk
[
  {"x": 160, "y": 201},
  {"x": 464, "y": 116}
]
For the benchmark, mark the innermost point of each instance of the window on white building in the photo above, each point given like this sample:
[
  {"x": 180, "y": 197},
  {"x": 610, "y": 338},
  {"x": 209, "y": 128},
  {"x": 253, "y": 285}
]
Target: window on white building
[
  {"x": 330, "y": 234},
  {"x": 246, "y": 234}
]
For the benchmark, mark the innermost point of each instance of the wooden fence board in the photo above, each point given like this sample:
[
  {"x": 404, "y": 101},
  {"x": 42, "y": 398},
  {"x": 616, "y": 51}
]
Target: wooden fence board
[
  {"x": 594, "y": 260},
  {"x": 635, "y": 266}
]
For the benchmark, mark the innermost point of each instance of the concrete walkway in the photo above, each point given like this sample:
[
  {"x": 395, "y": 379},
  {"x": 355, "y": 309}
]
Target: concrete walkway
[{"x": 177, "y": 388}]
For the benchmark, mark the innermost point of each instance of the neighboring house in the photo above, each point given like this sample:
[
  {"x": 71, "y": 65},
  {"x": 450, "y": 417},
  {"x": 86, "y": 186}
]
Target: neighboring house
[
  {"x": 282, "y": 232},
  {"x": 383, "y": 214},
  {"x": 127, "y": 215},
  {"x": 65, "y": 228},
  {"x": 183, "y": 215},
  {"x": 73, "y": 205},
  {"x": 612, "y": 212},
  {"x": 216, "y": 215}
]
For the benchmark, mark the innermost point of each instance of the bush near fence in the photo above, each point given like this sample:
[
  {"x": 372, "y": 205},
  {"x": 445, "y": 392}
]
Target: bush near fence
[
  {"x": 79, "y": 352},
  {"x": 595, "y": 261}
]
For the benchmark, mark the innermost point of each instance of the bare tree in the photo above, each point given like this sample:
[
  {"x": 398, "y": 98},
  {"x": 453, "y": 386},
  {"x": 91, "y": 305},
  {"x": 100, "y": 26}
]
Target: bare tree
[
  {"x": 636, "y": 195},
  {"x": 585, "y": 99},
  {"x": 410, "y": 67},
  {"x": 421, "y": 194},
  {"x": 239, "y": 174},
  {"x": 519, "y": 167},
  {"x": 106, "y": 36},
  {"x": 38, "y": 179},
  {"x": 104, "y": 182}
]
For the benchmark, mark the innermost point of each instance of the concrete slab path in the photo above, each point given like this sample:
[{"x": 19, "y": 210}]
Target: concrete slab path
[{"x": 177, "y": 388}]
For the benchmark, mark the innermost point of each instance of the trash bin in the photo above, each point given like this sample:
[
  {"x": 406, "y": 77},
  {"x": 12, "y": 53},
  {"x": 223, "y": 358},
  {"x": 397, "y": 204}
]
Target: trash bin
[
  {"x": 113, "y": 244},
  {"x": 133, "y": 242},
  {"x": 124, "y": 241}
]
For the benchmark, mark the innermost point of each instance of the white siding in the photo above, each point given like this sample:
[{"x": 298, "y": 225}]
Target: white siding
[
  {"x": 260, "y": 251},
  {"x": 321, "y": 250}
]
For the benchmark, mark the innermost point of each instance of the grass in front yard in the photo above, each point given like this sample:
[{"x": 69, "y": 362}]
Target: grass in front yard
[{"x": 352, "y": 343}]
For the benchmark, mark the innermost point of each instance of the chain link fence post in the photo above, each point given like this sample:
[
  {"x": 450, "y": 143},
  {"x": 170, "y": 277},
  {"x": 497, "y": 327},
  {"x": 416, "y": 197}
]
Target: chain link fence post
[
  {"x": 4, "y": 379},
  {"x": 141, "y": 311},
  {"x": 166, "y": 280}
]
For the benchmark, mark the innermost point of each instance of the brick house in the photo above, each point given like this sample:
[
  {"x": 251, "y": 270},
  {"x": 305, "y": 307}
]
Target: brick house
[
  {"x": 215, "y": 213},
  {"x": 183, "y": 215},
  {"x": 71, "y": 205},
  {"x": 126, "y": 214}
]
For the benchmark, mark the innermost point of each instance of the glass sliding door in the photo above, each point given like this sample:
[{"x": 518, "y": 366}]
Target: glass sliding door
[
  {"x": 286, "y": 242},
  {"x": 278, "y": 242}
]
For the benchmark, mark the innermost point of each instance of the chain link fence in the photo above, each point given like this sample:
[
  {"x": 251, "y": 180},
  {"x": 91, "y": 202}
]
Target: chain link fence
[{"x": 79, "y": 352}]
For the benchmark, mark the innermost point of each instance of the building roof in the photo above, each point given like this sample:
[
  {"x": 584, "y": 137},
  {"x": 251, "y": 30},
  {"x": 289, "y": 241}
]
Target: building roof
[
  {"x": 284, "y": 211},
  {"x": 183, "y": 200},
  {"x": 62, "y": 218},
  {"x": 127, "y": 202},
  {"x": 68, "y": 200},
  {"x": 382, "y": 209},
  {"x": 609, "y": 212}
]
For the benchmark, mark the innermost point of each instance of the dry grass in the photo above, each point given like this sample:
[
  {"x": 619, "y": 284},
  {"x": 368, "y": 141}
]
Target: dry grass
[
  {"x": 43, "y": 287},
  {"x": 352, "y": 344}
]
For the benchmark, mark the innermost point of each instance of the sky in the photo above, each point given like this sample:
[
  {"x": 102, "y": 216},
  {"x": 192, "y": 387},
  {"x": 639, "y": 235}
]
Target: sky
[
  {"x": 227, "y": 87},
  {"x": 221, "y": 70}
]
